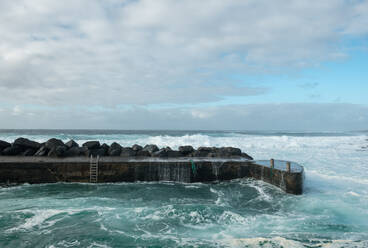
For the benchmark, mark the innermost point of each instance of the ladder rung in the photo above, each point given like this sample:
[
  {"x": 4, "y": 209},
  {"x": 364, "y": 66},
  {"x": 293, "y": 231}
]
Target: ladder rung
[{"x": 93, "y": 169}]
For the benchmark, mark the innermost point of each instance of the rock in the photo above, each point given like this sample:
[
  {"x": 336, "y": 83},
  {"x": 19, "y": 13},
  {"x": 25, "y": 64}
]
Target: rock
[
  {"x": 212, "y": 155},
  {"x": 43, "y": 151},
  {"x": 4, "y": 144},
  {"x": 173, "y": 154},
  {"x": 244, "y": 155},
  {"x": 92, "y": 145},
  {"x": 115, "y": 149},
  {"x": 29, "y": 152},
  {"x": 203, "y": 151},
  {"x": 150, "y": 148},
  {"x": 232, "y": 151},
  {"x": 96, "y": 152},
  {"x": 185, "y": 150},
  {"x": 71, "y": 144},
  {"x": 136, "y": 147},
  {"x": 162, "y": 153},
  {"x": 58, "y": 151},
  {"x": 105, "y": 147},
  {"x": 143, "y": 153},
  {"x": 53, "y": 143},
  {"x": 75, "y": 152},
  {"x": 114, "y": 152},
  {"x": 26, "y": 143},
  {"x": 12, "y": 151},
  {"x": 127, "y": 152}
]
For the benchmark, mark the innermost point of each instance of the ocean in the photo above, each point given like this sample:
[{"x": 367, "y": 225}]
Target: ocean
[{"x": 332, "y": 212}]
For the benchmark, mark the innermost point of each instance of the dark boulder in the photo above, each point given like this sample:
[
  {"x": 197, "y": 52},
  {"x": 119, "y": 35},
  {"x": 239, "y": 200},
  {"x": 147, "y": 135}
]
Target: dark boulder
[
  {"x": 53, "y": 143},
  {"x": 127, "y": 152},
  {"x": 115, "y": 149},
  {"x": 26, "y": 143},
  {"x": 12, "y": 151},
  {"x": 29, "y": 152},
  {"x": 114, "y": 152},
  {"x": 75, "y": 152},
  {"x": 185, "y": 150},
  {"x": 92, "y": 145},
  {"x": 43, "y": 151},
  {"x": 58, "y": 151},
  {"x": 162, "y": 153},
  {"x": 173, "y": 154},
  {"x": 143, "y": 153},
  {"x": 137, "y": 147},
  {"x": 150, "y": 148},
  {"x": 203, "y": 151},
  {"x": 71, "y": 144},
  {"x": 246, "y": 156},
  {"x": 4, "y": 144},
  {"x": 96, "y": 152},
  {"x": 227, "y": 152},
  {"x": 212, "y": 155},
  {"x": 105, "y": 147}
]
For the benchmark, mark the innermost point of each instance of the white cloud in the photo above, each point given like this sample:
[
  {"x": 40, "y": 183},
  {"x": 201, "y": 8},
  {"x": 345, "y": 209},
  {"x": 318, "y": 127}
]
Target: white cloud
[{"x": 163, "y": 51}]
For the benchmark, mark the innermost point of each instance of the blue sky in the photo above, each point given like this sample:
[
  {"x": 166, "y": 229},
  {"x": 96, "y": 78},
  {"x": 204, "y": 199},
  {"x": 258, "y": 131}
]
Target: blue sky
[
  {"x": 169, "y": 64},
  {"x": 336, "y": 81}
]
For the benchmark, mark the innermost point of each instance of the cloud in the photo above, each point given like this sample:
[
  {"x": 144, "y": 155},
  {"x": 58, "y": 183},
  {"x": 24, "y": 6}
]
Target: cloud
[
  {"x": 291, "y": 116},
  {"x": 142, "y": 52}
]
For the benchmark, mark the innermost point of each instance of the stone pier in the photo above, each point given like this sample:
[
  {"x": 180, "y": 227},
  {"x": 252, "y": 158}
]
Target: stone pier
[{"x": 23, "y": 169}]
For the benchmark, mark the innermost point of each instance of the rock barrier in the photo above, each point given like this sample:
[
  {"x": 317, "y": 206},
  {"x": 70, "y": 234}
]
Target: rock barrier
[{"x": 57, "y": 148}]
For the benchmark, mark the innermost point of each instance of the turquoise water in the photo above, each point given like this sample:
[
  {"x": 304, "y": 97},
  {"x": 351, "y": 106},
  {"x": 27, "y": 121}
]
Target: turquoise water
[{"x": 333, "y": 212}]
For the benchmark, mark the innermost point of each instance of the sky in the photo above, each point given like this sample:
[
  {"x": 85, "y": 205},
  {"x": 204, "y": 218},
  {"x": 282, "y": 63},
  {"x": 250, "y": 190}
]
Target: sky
[{"x": 168, "y": 64}]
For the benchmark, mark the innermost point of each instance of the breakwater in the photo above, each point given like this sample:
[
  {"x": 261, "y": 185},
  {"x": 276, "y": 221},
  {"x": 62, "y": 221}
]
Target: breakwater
[{"x": 54, "y": 161}]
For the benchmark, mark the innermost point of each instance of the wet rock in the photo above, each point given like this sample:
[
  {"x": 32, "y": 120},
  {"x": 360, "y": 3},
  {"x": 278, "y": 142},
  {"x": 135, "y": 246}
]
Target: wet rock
[
  {"x": 185, "y": 150},
  {"x": 105, "y": 147},
  {"x": 97, "y": 152},
  {"x": 4, "y": 144},
  {"x": 143, "y": 153},
  {"x": 12, "y": 151},
  {"x": 137, "y": 147},
  {"x": 53, "y": 143},
  {"x": 75, "y": 152},
  {"x": 226, "y": 152},
  {"x": 246, "y": 156},
  {"x": 203, "y": 151},
  {"x": 71, "y": 144},
  {"x": 127, "y": 152},
  {"x": 29, "y": 152},
  {"x": 173, "y": 154},
  {"x": 232, "y": 151},
  {"x": 162, "y": 153},
  {"x": 212, "y": 155},
  {"x": 92, "y": 145},
  {"x": 115, "y": 152},
  {"x": 26, "y": 143},
  {"x": 43, "y": 151},
  {"x": 58, "y": 151},
  {"x": 151, "y": 148},
  {"x": 115, "y": 149}
]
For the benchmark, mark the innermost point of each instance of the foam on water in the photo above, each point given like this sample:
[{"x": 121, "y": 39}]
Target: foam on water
[{"x": 333, "y": 212}]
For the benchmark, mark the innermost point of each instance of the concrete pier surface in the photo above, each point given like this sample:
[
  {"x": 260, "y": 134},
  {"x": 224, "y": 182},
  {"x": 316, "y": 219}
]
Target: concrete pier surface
[{"x": 21, "y": 169}]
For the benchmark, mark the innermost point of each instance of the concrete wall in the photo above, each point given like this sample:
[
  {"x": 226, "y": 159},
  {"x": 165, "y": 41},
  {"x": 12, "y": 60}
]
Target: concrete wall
[{"x": 50, "y": 170}]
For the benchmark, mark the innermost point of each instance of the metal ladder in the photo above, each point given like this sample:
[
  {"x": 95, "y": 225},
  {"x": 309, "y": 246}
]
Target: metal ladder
[{"x": 93, "y": 169}]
